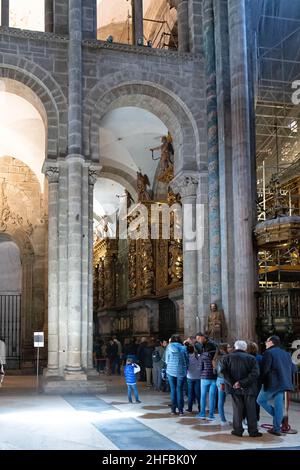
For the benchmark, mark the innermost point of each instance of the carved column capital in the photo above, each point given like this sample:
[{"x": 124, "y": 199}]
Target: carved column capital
[
  {"x": 51, "y": 171},
  {"x": 94, "y": 171},
  {"x": 185, "y": 183}
]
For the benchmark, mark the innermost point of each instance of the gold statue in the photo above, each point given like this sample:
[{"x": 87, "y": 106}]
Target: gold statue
[
  {"x": 141, "y": 185},
  {"x": 216, "y": 323},
  {"x": 166, "y": 171}
]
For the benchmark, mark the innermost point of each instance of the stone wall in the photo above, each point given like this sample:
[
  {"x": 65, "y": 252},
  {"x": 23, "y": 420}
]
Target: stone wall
[{"x": 23, "y": 219}]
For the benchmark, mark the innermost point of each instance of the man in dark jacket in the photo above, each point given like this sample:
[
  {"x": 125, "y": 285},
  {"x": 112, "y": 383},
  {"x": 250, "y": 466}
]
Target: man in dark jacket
[
  {"x": 204, "y": 343},
  {"x": 276, "y": 374},
  {"x": 240, "y": 371}
]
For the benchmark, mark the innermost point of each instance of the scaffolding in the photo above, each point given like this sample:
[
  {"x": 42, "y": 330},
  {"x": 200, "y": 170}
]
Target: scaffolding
[{"x": 278, "y": 66}]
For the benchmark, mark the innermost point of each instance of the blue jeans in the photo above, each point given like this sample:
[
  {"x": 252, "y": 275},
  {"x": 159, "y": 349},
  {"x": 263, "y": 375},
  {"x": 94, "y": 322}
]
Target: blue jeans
[
  {"x": 132, "y": 387},
  {"x": 156, "y": 372},
  {"x": 193, "y": 392},
  {"x": 176, "y": 387},
  {"x": 277, "y": 410},
  {"x": 221, "y": 399},
  {"x": 208, "y": 385}
]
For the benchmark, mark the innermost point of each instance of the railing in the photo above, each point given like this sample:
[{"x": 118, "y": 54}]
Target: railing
[{"x": 295, "y": 395}]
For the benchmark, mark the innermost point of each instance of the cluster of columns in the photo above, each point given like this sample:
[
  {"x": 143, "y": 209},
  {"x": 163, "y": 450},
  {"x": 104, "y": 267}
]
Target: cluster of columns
[
  {"x": 70, "y": 242},
  {"x": 221, "y": 267}
]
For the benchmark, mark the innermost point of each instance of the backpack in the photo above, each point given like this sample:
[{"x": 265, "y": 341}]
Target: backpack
[{"x": 156, "y": 356}]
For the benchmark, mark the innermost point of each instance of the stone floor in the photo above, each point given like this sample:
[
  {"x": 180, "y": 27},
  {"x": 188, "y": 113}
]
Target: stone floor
[{"x": 32, "y": 421}]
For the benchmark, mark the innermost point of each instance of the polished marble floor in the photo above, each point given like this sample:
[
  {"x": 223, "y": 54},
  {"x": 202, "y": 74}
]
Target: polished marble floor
[{"x": 32, "y": 421}]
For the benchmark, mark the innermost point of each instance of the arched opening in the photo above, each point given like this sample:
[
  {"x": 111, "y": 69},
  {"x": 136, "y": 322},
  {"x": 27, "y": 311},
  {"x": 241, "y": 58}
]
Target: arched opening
[
  {"x": 10, "y": 299},
  {"x": 133, "y": 272},
  {"x": 154, "y": 26},
  {"x": 27, "y": 15},
  {"x": 23, "y": 221}
]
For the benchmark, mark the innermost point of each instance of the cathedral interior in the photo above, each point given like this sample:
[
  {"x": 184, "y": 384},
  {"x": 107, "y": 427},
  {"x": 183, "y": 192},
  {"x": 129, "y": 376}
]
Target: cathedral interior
[{"x": 115, "y": 113}]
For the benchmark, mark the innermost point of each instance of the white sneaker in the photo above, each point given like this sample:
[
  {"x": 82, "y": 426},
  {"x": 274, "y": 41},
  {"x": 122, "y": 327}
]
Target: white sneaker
[{"x": 225, "y": 423}]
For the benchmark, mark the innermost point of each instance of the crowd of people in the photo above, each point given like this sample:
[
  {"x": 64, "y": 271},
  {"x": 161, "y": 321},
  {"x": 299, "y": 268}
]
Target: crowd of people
[{"x": 205, "y": 372}]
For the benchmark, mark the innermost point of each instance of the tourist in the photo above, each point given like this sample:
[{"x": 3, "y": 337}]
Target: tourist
[
  {"x": 276, "y": 375},
  {"x": 177, "y": 363},
  {"x": 129, "y": 371},
  {"x": 241, "y": 372}
]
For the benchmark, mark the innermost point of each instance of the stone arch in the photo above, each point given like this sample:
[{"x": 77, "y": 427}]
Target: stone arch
[
  {"x": 35, "y": 84},
  {"x": 120, "y": 177},
  {"x": 154, "y": 93}
]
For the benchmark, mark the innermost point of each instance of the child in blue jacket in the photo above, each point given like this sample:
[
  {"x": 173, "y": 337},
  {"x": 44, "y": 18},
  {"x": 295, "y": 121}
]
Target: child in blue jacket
[{"x": 129, "y": 371}]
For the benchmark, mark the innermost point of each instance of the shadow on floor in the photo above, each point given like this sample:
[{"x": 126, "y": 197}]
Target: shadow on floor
[{"x": 229, "y": 438}]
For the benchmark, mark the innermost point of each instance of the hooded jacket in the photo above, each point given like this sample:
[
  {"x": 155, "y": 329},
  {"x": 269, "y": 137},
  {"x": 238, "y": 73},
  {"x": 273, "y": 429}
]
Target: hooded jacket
[{"x": 176, "y": 360}]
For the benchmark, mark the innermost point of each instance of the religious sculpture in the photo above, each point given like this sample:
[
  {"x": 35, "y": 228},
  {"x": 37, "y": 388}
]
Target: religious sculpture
[
  {"x": 166, "y": 170},
  {"x": 216, "y": 323},
  {"x": 175, "y": 261},
  {"x": 146, "y": 267},
  {"x": 141, "y": 185}
]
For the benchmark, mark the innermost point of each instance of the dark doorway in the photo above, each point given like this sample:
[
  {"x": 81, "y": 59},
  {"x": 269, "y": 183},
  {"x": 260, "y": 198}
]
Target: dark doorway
[{"x": 167, "y": 318}]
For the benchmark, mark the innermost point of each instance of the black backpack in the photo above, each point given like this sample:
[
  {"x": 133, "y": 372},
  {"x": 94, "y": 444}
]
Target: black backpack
[{"x": 156, "y": 356}]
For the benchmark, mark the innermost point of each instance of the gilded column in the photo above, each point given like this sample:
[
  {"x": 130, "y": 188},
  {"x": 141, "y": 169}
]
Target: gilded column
[
  {"x": 213, "y": 153},
  {"x": 243, "y": 204}
]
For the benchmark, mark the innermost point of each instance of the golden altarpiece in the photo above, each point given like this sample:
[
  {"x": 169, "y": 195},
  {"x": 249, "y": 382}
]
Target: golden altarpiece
[{"x": 138, "y": 280}]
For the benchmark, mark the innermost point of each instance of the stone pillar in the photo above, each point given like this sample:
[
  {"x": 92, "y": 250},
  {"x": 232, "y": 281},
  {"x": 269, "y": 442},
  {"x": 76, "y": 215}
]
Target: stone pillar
[
  {"x": 93, "y": 172},
  {"x": 242, "y": 172},
  {"x": 5, "y": 13},
  {"x": 75, "y": 181},
  {"x": 60, "y": 16},
  {"x": 75, "y": 233},
  {"x": 225, "y": 161},
  {"x": 52, "y": 173},
  {"x": 137, "y": 21},
  {"x": 183, "y": 26},
  {"x": 195, "y": 26},
  {"x": 49, "y": 16},
  {"x": 203, "y": 252},
  {"x": 75, "y": 79},
  {"x": 213, "y": 153},
  {"x": 186, "y": 183}
]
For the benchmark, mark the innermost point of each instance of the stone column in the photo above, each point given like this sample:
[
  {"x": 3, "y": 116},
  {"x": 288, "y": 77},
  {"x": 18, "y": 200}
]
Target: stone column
[
  {"x": 52, "y": 173},
  {"x": 183, "y": 26},
  {"x": 137, "y": 21},
  {"x": 186, "y": 183},
  {"x": 225, "y": 161},
  {"x": 213, "y": 153},
  {"x": 93, "y": 172},
  {"x": 75, "y": 161},
  {"x": 203, "y": 252},
  {"x": 75, "y": 79},
  {"x": 49, "y": 16},
  {"x": 242, "y": 171},
  {"x": 5, "y": 13}
]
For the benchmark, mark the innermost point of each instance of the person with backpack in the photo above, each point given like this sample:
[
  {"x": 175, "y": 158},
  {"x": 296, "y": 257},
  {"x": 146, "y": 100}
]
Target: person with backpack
[{"x": 158, "y": 364}]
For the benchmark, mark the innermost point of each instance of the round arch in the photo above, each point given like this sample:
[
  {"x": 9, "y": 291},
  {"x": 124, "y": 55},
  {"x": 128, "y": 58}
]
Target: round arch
[
  {"x": 36, "y": 85},
  {"x": 159, "y": 96}
]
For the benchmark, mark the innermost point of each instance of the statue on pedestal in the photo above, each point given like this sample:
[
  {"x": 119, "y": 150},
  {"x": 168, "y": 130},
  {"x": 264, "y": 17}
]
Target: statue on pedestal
[{"x": 216, "y": 327}]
